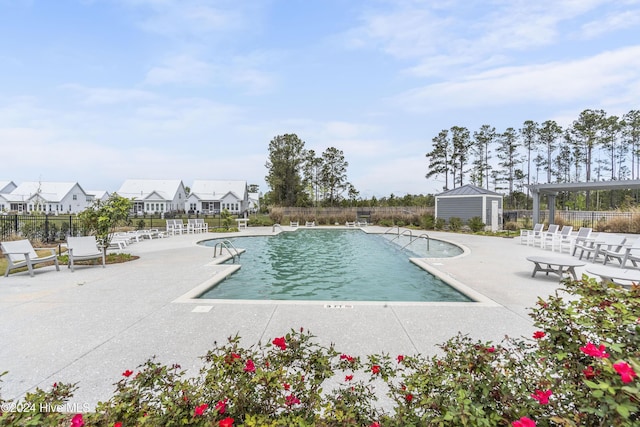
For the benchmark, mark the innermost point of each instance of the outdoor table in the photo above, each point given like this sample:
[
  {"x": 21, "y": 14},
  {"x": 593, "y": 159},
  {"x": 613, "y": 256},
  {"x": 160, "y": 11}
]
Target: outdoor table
[
  {"x": 556, "y": 265},
  {"x": 614, "y": 274}
]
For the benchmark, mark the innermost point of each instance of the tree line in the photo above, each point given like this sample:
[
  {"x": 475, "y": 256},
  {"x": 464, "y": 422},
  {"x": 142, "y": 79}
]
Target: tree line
[{"x": 595, "y": 147}]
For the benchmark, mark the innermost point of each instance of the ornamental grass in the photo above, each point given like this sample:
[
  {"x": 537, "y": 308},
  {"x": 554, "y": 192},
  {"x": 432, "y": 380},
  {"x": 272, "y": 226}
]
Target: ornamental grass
[{"x": 580, "y": 368}]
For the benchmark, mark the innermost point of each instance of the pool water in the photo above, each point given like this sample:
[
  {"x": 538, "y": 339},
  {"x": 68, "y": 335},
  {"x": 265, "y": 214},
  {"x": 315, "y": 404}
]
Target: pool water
[{"x": 328, "y": 265}]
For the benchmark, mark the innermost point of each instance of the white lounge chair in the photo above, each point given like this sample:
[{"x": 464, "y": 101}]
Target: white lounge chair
[
  {"x": 310, "y": 224},
  {"x": 563, "y": 236},
  {"x": 293, "y": 224},
  {"x": 84, "y": 248},
  {"x": 601, "y": 244},
  {"x": 21, "y": 253},
  {"x": 546, "y": 237},
  {"x": 583, "y": 235},
  {"x": 527, "y": 236},
  {"x": 626, "y": 253}
]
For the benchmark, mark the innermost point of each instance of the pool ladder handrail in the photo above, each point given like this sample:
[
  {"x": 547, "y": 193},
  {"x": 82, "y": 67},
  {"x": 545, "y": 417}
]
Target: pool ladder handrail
[
  {"x": 400, "y": 234},
  {"x": 228, "y": 246},
  {"x": 273, "y": 229},
  {"x": 422, "y": 236}
]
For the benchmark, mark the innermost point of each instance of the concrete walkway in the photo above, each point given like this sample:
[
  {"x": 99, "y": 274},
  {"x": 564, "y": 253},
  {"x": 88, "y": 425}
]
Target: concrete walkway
[{"x": 91, "y": 325}]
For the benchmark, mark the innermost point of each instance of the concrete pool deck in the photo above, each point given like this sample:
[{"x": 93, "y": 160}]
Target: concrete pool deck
[{"x": 91, "y": 325}]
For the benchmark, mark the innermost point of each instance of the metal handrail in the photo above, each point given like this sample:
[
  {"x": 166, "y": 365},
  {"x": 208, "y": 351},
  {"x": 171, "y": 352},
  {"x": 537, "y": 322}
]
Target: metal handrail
[
  {"x": 422, "y": 236},
  {"x": 273, "y": 229},
  {"x": 228, "y": 246}
]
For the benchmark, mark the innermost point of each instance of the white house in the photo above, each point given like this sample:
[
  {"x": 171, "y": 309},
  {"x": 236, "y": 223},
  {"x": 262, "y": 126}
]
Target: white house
[
  {"x": 254, "y": 202},
  {"x": 101, "y": 195},
  {"x": 214, "y": 196},
  {"x": 154, "y": 195},
  {"x": 47, "y": 197},
  {"x": 6, "y": 187}
]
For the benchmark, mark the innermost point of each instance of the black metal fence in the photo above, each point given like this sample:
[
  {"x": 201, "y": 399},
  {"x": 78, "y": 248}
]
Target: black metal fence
[
  {"x": 44, "y": 228},
  {"x": 597, "y": 220}
]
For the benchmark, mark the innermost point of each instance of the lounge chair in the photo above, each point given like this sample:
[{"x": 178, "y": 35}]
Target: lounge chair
[
  {"x": 21, "y": 253},
  {"x": 583, "y": 235},
  {"x": 546, "y": 237},
  {"x": 83, "y": 248},
  {"x": 602, "y": 244},
  {"x": 563, "y": 236},
  {"x": 626, "y": 253},
  {"x": 293, "y": 224},
  {"x": 527, "y": 236},
  {"x": 310, "y": 224}
]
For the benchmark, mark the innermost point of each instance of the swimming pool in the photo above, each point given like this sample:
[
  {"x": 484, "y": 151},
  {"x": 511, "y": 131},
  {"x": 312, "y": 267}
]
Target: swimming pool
[{"x": 329, "y": 265}]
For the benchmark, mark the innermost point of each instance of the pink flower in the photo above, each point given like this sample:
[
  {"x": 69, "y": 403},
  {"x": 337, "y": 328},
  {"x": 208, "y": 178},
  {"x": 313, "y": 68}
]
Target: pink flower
[
  {"x": 542, "y": 396},
  {"x": 200, "y": 410},
  {"x": 591, "y": 350},
  {"x": 524, "y": 422},
  {"x": 400, "y": 358},
  {"x": 280, "y": 342},
  {"x": 77, "y": 421},
  {"x": 348, "y": 377},
  {"x": 221, "y": 406},
  {"x": 490, "y": 349},
  {"x": 227, "y": 422},
  {"x": 127, "y": 373},
  {"x": 376, "y": 424},
  {"x": 627, "y": 374},
  {"x": 249, "y": 366},
  {"x": 375, "y": 369},
  {"x": 538, "y": 335},
  {"x": 346, "y": 357},
  {"x": 291, "y": 400}
]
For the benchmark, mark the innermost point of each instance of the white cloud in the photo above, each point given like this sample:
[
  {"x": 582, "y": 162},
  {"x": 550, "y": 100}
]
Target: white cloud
[
  {"x": 611, "y": 22},
  {"x": 181, "y": 69},
  {"x": 107, "y": 96},
  {"x": 586, "y": 80}
]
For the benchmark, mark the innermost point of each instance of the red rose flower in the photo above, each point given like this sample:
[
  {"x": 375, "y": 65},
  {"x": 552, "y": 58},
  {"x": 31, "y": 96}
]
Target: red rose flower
[
  {"x": 280, "y": 342},
  {"x": 348, "y": 377},
  {"x": 227, "y": 422},
  {"x": 590, "y": 373},
  {"x": 291, "y": 400},
  {"x": 591, "y": 350},
  {"x": 400, "y": 358},
  {"x": 249, "y": 366},
  {"x": 524, "y": 422},
  {"x": 375, "y": 369},
  {"x": 200, "y": 410},
  {"x": 77, "y": 421},
  {"x": 127, "y": 373},
  {"x": 538, "y": 335},
  {"x": 542, "y": 396},
  {"x": 408, "y": 397},
  {"x": 221, "y": 406},
  {"x": 626, "y": 372}
]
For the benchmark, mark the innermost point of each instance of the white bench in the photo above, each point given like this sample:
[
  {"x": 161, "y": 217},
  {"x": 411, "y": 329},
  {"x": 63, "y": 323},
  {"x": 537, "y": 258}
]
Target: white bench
[
  {"x": 242, "y": 222},
  {"x": 21, "y": 253}
]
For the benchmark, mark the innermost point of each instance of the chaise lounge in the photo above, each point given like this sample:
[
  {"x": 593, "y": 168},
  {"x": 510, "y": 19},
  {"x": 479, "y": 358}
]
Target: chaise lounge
[
  {"x": 21, "y": 253},
  {"x": 83, "y": 248}
]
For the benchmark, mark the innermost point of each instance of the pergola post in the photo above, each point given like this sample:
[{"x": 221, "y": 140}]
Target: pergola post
[
  {"x": 551, "y": 201},
  {"x": 535, "y": 195}
]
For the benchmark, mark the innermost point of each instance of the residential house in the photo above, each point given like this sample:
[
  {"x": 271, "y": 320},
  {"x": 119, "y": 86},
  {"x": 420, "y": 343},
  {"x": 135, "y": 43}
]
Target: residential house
[
  {"x": 254, "y": 202},
  {"x": 6, "y": 187},
  {"x": 154, "y": 195},
  {"x": 101, "y": 195},
  {"x": 47, "y": 197},
  {"x": 211, "y": 197}
]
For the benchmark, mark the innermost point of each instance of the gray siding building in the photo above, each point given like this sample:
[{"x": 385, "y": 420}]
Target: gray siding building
[{"x": 469, "y": 201}]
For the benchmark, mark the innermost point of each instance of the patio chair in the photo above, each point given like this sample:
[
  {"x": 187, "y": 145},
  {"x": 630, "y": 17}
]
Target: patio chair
[
  {"x": 21, "y": 253},
  {"x": 602, "y": 244},
  {"x": 626, "y": 253},
  {"x": 559, "y": 238},
  {"x": 584, "y": 234},
  {"x": 546, "y": 236},
  {"x": 526, "y": 236},
  {"x": 84, "y": 248}
]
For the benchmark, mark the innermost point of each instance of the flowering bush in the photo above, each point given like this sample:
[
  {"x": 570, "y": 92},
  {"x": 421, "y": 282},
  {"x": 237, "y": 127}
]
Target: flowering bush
[{"x": 580, "y": 368}]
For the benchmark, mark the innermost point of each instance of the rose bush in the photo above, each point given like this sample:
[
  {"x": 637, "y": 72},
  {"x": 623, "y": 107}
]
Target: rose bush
[{"x": 580, "y": 368}]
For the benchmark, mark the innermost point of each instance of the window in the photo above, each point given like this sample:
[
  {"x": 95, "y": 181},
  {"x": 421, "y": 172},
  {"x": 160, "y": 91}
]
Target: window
[{"x": 75, "y": 197}]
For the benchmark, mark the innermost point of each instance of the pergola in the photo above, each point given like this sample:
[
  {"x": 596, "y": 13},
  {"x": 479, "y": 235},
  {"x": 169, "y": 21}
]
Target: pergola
[{"x": 552, "y": 190}]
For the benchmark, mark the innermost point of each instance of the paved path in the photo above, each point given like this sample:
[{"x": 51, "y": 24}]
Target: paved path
[{"x": 91, "y": 325}]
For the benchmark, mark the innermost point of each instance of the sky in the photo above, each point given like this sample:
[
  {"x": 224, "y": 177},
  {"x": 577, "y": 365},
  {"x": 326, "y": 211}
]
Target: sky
[{"x": 99, "y": 91}]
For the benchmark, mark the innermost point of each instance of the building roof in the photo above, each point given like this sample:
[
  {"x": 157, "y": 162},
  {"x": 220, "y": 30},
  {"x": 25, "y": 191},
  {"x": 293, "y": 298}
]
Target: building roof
[
  {"x": 468, "y": 190},
  {"x": 49, "y": 191},
  {"x": 140, "y": 189},
  {"x": 213, "y": 190},
  {"x": 7, "y": 186}
]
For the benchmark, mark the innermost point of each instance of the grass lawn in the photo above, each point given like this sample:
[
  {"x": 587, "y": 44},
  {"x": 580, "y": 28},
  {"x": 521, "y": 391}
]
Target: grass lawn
[{"x": 62, "y": 260}]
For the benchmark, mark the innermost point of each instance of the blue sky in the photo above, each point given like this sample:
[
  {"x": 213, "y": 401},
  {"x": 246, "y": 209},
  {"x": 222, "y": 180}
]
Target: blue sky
[{"x": 98, "y": 91}]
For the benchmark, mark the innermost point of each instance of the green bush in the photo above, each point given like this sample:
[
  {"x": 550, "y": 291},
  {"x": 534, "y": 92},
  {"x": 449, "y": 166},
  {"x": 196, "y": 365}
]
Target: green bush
[
  {"x": 455, "y": 223},
  {"x": 440, "y": 223},
  {"x": 428, "y": 222},
  {"x": 476, "y": 224},
  {"x": 578, "y": 369}
]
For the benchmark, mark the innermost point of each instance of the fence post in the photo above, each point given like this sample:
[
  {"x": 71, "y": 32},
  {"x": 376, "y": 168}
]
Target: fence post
[
  {"x": 15, "y": 224},
  {"x": 46, "y": 228}
]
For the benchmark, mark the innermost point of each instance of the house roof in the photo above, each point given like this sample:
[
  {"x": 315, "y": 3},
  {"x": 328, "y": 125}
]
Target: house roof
[
  {"x": 140, "y": 189},
  {"x": 468, "y": 190},
  {"x": 98, "y": 194},
  {"x": 214, "y": 190},
  {"x": 49, "y": 191},
  {"x": 7, "y": 186}
]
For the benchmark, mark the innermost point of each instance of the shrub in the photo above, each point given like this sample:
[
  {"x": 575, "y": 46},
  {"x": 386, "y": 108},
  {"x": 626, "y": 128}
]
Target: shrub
[
  {"x": 439, "y": 225},
  {"x": 476, "y": 224},
  {"x": 511, "y": 226},
  {"x": 427, "y": 222},
  {"x": 455, "y": 223}
]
